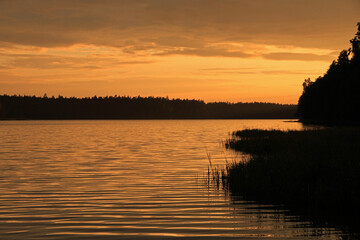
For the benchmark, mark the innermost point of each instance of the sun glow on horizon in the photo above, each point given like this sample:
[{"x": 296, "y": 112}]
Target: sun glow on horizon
[{"x": 220, "y": 58}]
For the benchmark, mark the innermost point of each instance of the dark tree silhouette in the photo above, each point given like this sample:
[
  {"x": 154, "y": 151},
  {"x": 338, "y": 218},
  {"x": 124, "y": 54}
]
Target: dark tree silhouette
[
  {"x": 335, "y": 97},
  {"x": 26, "y": 107},
  {"x": 356, "y": 44}
]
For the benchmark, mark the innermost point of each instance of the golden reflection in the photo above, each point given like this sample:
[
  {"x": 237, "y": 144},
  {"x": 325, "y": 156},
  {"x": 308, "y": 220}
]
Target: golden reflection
[{"x": 127, "y": 178}]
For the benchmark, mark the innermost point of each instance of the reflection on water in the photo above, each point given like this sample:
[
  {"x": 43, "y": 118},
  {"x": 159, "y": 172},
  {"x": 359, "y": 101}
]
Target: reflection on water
[{"x": 129, "y": 180}]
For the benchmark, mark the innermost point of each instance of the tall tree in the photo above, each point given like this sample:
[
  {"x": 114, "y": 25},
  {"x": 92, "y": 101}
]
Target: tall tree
[
  {"x": 356, "y": 44},
  {"x": 335, "y": 97}
]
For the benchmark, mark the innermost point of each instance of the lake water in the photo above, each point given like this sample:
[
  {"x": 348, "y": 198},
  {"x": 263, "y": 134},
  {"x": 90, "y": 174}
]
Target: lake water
[{"x": 130, "y": 180}]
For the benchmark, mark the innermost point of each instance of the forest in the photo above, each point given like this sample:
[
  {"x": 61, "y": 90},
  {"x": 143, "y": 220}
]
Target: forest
[
  {"x": 335, "y": 97},
  {"x": 314, "y": 172},
  {"x": 116, "y": 107}
]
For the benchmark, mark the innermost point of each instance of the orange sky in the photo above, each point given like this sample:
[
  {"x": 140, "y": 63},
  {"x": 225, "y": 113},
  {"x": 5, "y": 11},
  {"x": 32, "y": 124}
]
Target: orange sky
[{"x": 215, "y": 50}]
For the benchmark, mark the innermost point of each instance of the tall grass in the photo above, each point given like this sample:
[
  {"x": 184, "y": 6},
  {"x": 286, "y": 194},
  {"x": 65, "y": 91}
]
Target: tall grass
[{"x": 314, "y": 170}]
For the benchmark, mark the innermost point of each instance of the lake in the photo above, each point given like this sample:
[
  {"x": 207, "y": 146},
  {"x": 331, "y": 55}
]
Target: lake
[{"x": 130, "y": 179}]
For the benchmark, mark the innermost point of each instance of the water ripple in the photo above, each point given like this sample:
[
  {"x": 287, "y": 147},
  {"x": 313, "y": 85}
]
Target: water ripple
[{"x": 129, "y": 180}]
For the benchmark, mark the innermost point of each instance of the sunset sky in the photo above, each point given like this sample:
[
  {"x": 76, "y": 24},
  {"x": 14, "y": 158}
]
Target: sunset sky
[{"x": 215, "y": 50}]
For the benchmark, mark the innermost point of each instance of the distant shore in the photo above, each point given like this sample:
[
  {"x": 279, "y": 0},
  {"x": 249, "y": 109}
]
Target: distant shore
[
  {"x": 115, "y": 107},
  {"x": 60, "y": 119}
]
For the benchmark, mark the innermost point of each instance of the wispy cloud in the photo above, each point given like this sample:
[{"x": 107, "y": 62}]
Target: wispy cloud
[
  {"x": 127, "y": 45},
  {"x": 251, "y": 71},
  {"x": 51, "y": 23},
  {"x": 206, "y": 52},
  {"x": 36, "y": 61},
  {"x": 298, "y": 56}
]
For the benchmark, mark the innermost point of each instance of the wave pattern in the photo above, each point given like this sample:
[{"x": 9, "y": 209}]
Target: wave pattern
[{"x": 129, "y": 180}]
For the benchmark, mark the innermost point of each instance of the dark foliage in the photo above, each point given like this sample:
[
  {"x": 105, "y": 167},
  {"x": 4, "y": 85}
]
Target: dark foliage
[
  {"x": 335, "y": 97},
  {"x": 26, "y": 107},
  {"x": 316, "y": 171}
]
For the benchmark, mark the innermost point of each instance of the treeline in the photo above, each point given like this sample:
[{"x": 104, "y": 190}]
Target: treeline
[
  {"x": 335, "y": 97},
  {"x": 116, "y": 107}
]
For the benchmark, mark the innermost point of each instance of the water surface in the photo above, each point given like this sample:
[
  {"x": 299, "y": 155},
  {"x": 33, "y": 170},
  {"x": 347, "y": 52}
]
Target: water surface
[{"x": 130, "y": 180}]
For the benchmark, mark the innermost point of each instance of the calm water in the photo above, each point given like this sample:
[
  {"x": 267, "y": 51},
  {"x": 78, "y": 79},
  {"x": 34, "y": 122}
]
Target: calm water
[{"x": 129, "y": 180}]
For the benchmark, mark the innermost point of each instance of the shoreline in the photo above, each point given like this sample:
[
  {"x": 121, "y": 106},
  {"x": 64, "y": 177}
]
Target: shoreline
[
  {"x": 65, "y": 119},
  {"x": 312, "y": 171}
]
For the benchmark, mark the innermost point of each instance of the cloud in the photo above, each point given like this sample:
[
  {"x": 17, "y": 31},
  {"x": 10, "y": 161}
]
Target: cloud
[
  {"x": 206, "y": 52},
  {"x": 226, "y": 69},
  {"x": 177, "y": 23},
  {"x": 53, "y": 42},
  {"x": 43, "y": 62},
  {"x": 280, "y": 72},
  {"x": 245, "y": 71},
  {"x": 3, "y": 67},
  {"x": 286, "y": 56}
]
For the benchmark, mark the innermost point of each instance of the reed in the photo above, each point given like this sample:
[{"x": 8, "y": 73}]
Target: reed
[{"x": 315, "y": 170}]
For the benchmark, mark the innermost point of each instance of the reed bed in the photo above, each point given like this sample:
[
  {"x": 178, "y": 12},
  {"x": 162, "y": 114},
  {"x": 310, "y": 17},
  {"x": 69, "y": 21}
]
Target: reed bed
[{"x": 314, "y": 170}]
